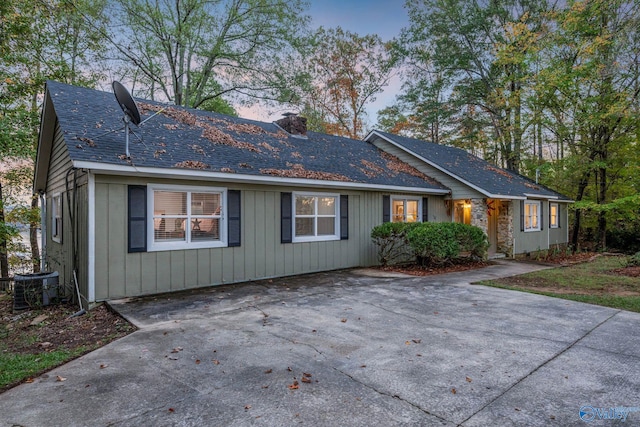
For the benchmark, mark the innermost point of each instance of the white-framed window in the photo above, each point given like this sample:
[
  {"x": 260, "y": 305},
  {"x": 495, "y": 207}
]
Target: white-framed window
[
  {"x": 316, "y": 217},
  {"x": 186, "y": 217},
  {"x": 531, "y": 215},
  {"x": 405, "y": 209},
  {"x": 56, "y": 218},
  {"x": 554, "y": 215}
]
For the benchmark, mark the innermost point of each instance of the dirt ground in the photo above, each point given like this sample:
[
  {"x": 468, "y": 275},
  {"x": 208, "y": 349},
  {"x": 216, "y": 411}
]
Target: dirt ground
[
  {"x": 50, "y": 328},
  {"x": 418, "y": 270}
]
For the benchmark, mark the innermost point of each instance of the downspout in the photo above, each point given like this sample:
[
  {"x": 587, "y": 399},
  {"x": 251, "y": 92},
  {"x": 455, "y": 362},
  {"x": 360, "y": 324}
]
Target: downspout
[{"x": 43, "y": 231}]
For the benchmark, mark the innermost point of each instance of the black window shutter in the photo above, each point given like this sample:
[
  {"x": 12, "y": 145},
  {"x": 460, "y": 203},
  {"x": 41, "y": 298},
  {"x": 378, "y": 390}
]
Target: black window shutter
[
  {"x": 344, "y": 217},
  {"x": 521, "y": 215},
  {"x": 137, "y": 219},
  {"x": 558, "y": 215},
  {"x": 386, "y": 208},
  {"x": 425, "y": 209},
  {"x": 286, "y": 225},
  {"x": 541, "y": 215},
  {"x": 233, "y": 222}
]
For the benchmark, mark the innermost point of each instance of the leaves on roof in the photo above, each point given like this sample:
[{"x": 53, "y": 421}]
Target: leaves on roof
[
  {"x": 90, "y": 142},
  {"x": 298, "y": 171},
  {"x": 371, "y": 169},
  {"x": 530, "y": 185},
  {"x": 396, "y": 165},
  {"x": 191, "y": 164},
  {"x": 269, "y": 147},
  {"x": 499, "y": 171}
]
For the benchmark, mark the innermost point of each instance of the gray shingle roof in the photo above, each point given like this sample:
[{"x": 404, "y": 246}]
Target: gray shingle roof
[
  {"x": 472, "y": 169},
  {"x": 180, "y": 137}
]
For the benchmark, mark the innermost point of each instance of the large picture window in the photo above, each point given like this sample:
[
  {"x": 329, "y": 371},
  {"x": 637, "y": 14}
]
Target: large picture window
[
  {"x": 186, "y": 217},
  {"x": 315, "y": 217},
  {"x": 531, "y": 216},
  {"x": 56, "y": 218},
  {"x": 554, "y": 212},
  {"x": 405, "y": 209}
]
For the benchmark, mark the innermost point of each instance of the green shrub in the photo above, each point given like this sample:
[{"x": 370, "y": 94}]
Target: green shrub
[
  {"x": 434, "y": 242},
  {"x": 391, "y": 239},
  {"x": 472, "y": 240},
  {"x": 428, "y": 243},
  {"x": 634, "y": 260}
]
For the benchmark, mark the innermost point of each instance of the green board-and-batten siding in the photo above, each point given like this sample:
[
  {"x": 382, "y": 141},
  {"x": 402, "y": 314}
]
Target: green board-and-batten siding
[
  {"x": 260, "y": 255},
  {"x": 59, "y": 255}
]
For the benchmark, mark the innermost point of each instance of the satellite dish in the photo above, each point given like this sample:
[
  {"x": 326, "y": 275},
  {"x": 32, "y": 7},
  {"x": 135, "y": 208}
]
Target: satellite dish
[
  {"x": 126, "y": 102},
  {"x": 130, "y": 109}
]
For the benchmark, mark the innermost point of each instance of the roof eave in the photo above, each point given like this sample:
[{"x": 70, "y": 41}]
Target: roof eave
[
  {"x": 45, "y": 145},
  {"x": 186, "y": 174}
]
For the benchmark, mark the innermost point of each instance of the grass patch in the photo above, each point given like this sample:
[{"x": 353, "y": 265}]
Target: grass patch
[
  {"x": 601, "y": 282},
  {"x": 18, "y": 367}
]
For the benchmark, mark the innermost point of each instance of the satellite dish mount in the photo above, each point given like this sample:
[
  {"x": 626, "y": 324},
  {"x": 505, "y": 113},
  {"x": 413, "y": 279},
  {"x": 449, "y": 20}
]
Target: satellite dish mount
[{"x": 129, "y": 108}]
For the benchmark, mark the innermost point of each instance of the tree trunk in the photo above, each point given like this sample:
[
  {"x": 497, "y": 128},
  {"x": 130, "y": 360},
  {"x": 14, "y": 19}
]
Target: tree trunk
[
  {"x": 33, "y": 238},
  {"x": 4, "y": 259},
  {"x": 584, "y": 181},
  {"x": 602, "y": 217}
]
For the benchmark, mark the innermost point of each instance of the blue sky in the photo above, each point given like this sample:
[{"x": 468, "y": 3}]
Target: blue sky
[
  {"x": 381, "y": 17},
  {"x": 384, "y": 18}
]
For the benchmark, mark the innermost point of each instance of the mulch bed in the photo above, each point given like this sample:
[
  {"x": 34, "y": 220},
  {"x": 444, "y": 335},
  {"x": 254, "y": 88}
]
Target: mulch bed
[
  {"x": 627, "y": 271},
  {"x": 418, "y": 270},
  {"x": 51, "y": 328}
]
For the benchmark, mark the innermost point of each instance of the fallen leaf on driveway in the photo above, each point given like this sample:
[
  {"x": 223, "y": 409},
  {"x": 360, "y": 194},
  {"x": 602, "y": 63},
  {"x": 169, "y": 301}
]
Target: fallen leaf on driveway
[
  {"x": 294, "y": 386},
  {"x": 468, "y": 379},
  {"x": 306, "y": 375},
  {"x": 28, "y": 380},
  {"x": 216, "y": 361},
  {"x": 176, "y": 350},
  {"x": 268, "y": 371},
  {"x": 59, "y": 378},
  {"x": 103, "y": 365},
  {"x": 247, "y": 407},
  {"x": 343, "y": 320},
  {"x": 417, "y": 341},
  {"x": 197, "y": 361},
  {"x": 305, "y": 380},
  {"x": 171, "y": 410},
  {"x": 453, "y": 391}
]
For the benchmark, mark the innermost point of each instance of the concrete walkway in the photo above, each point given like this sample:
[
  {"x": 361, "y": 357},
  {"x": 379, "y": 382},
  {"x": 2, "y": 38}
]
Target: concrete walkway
[{"x": 349, "y": 348}]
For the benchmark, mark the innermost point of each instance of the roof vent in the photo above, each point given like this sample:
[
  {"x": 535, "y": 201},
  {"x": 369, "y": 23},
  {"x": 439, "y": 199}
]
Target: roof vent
[{"x": 293, "y": 124}]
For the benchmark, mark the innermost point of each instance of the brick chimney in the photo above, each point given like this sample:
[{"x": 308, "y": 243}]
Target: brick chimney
[{"x": 293, "y": 124}]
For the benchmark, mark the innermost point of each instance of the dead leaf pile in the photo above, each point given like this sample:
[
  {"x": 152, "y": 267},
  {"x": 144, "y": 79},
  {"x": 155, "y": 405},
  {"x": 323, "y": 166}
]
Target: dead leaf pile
[
  {"x": 371, "y": 169},
  {"x": 396, "y": 165},
  {"x": 298, "y": 171},
  {"x": 191, "y": 164}
]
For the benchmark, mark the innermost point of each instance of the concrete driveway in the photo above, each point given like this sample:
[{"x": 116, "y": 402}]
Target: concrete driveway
[{"x": 348, "y": 349}]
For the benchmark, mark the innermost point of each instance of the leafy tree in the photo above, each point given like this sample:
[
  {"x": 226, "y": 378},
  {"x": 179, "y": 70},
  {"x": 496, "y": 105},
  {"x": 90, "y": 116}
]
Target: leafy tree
[
  {"x": 39, "y": 41},
  {"x": 468, "y": 84},
  {"x": 194, "y": 51},
  {"x": 345, "y": 72},
  {"x": 591, "y": 89}
]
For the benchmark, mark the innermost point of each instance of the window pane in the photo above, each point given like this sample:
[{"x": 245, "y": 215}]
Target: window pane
[
  {"x": 205, "y": 204},
  {"x": 205, "y": 229},
  {"x": 305, "y": 205},
  {"x": 327, "y": 206},
  {"x": 304, "y": 227},
  {"x": 397, "y": 210},
  {"x": 169, "y": 203},
  {"x": 326, "y": 226},
  {"x": 169, "y": 229},
  {"x": 412, "y": 210}
]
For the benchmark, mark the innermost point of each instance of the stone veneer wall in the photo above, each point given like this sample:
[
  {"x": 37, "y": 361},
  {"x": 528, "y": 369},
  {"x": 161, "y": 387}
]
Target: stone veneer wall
[
  {"x": 479, "y": 214},
  {"x": 505, "y": 227}
]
